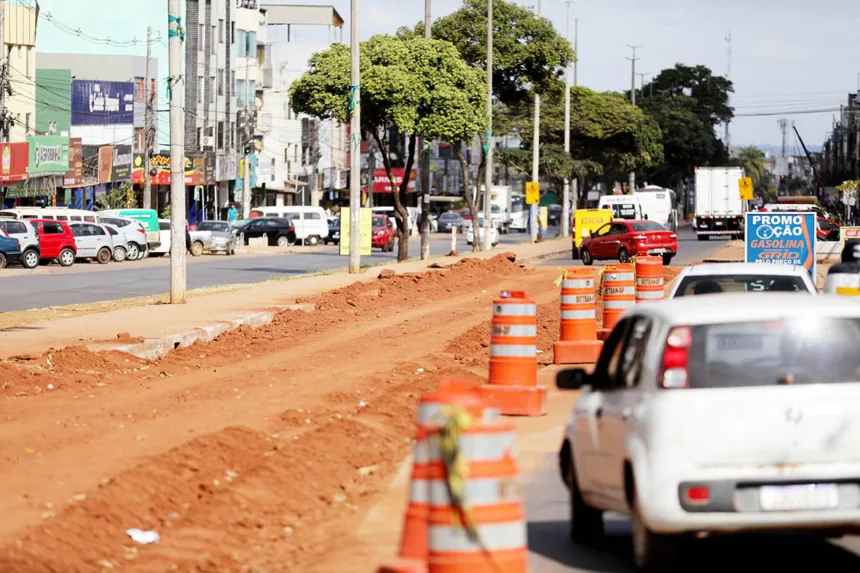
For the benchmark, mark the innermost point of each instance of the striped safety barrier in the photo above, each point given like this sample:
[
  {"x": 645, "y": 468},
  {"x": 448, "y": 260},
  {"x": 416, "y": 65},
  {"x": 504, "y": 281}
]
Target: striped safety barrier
[
  {"x": 512, "y": 385},
  {"x": 649, "y": 279},
  {"x": 578, "y": 342},
  {"x": 619, "y": 293}
]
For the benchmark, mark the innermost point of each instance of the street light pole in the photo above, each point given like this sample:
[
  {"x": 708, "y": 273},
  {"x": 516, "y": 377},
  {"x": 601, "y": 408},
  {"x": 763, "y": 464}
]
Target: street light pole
[
  {"x": 176, "y": 90},
  {"x": 425, "y": 166},
  {"x": 533, "y": 209},
  {"x": 565, "y": 200},
  {"x": 487, "y": 242},
  {"x": 633, "y": 60},
  {"x": 355, "y": 145}
]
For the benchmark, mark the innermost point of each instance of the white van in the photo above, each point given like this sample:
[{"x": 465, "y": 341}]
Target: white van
[
  {"x": 622, "y": 206},
  {"x": 310, "y": 222},
  {"x": 52, "y": 213},
  {"x": 658, "y": 205}
]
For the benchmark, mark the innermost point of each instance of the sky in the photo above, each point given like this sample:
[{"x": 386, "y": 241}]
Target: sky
[{"x": 787, "y": 55}]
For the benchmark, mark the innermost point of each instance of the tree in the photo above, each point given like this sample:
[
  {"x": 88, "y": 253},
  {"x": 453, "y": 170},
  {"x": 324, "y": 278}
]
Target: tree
[
  {"x": 421, "y": 87},
  {"x": 121, "y": 197},
  {"x": 687, "y": 103},
  {"x": 752, "y": 160}
]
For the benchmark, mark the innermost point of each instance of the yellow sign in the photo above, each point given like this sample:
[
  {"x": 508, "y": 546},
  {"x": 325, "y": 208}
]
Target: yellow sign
[
  {"x": 848, "y": 291},
  {"x": 366, "y": 231},
  {"x": 544, "y": 218},
  {"x": 746, "y": 188},
  {"x": 587, "y": 221},
  {"x": 848, "y": 233},
  {"x": 532, "y": 193}
]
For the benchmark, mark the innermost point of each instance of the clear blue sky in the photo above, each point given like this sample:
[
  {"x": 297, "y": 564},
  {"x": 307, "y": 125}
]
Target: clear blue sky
[{"x": 787, "y": 55}]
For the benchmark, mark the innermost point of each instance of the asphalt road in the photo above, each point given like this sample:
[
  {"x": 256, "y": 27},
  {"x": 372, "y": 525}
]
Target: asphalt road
[
  {"x": 551, "y": 550},
  {"x": 690, "y": 250},
  {"x": 90, "y": 282}
]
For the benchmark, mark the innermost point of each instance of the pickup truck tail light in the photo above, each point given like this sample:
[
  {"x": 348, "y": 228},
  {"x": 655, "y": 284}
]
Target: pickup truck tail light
[{"x": 675, "y": 358}]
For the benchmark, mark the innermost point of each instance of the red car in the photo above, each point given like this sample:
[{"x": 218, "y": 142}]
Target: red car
[
  {"x": 827, "y": 230},
  {"x": 383, "y": 233},
  {"x": 56, "y": 241},
  {"x": 623, "y": 240}
]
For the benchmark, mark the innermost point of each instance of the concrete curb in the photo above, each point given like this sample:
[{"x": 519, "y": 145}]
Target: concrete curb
[{"x": 157, "y": 348}]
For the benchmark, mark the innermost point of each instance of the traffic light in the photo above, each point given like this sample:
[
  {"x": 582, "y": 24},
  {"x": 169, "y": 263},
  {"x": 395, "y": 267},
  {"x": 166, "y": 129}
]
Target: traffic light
[{"x": 783, "y": 188}]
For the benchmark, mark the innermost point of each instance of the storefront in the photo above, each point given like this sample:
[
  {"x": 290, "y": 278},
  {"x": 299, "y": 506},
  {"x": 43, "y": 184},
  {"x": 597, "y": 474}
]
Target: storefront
[
  {"x": 14, "y": 165},
  {"x": 48, "y": 164}
]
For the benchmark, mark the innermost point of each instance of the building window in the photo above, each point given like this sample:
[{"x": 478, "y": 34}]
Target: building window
[
  {"x": 138, "y": 139},
  {"x": 27, "y": 122},
  {"x": 220, "y": 82},
  {"x": 139, "y": 86},
  {"x": 220, "y": 31},
  {"x": 232, "y": 135},
  {"x": 199, "y": 89},
  {"x": 199, "y": 137},
  {"x": 241, "y": 43},
  {"x": 212, "y": 41},
  {"x": 220, "y": 135},
  {"x": 212, "y": 88},
  {"x": 251, "y": 44},
  {"x": 252, "y": 94},
  {"x": 240, "y": 93},
  {"x": 232, "y": 32},
  {"x": 201, "y": 34},
  {"x": 28, "y": 51}
]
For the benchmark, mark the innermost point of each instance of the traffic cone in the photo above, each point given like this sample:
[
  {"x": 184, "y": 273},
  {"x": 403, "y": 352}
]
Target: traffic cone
[
  {"x": 619, "y": 294},
  {"x": 578, "y": 342},
  {"x": 649, "y": 279}
]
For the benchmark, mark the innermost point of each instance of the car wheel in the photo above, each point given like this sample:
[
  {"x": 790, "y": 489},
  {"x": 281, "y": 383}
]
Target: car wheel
[
  {"x": 142, "y": 253},
  {"x": 585, "y": 255},
  {"x": 313, "y": 241},
  {"x": 231, "y": 250},
  {"x": 667, "y": 259},
  {"x": 2, "y": 261},
  {"x": 67, "y": 257},
  {"x": 104, "y": 256},
  {"x": 283, "y": 241},
  {"x": 623, "y": 256},
  {"x": 196, "y": 249},
  {"x": 574, "y": 253},
  {"x": 703, "y": 237},
  {"x": 119, "y": 254},
  {"x": 652, "y": 552},
  {"x": 133, "y": 251},
  {"x": 30, "y": 259}
]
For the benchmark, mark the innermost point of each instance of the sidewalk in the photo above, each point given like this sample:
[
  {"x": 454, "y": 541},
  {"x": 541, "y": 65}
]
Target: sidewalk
[{"x": 204, "y": 317}]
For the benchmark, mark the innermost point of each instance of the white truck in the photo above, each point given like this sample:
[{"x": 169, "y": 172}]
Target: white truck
[
  {"x": 719, "y": 209},
  {"x": 509, "y": 212},
  {"x": 658, "y": 205}
]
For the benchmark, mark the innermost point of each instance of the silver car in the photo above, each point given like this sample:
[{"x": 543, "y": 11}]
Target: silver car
[
  {"x": 27, "y": 236},
  {"x": 213, "y": 237},
  {"x": 120, "y": 243},
  {"x": 93, "y": 242}
]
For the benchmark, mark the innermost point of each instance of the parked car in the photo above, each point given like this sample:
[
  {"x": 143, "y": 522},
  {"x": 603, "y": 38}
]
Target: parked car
[
  {"x": 163, "y": 247},
  {"x": 383, "y": 235},
  {"x": 724, "y": 417},
  {"x": 451, "y": 220},
  {"x": 148, "y": 218},
  {"x": 333, "y": 232},
  {"x": 279, "y": 232},
  {"x": 27, "y": 236},
  {"x": 10, "y": 251},
  {"x": 135, "y": 232},
  {"x": 494, "y": 233},
  {"x": 120, "y": 243},
  {"x": 827, "y": 230},
  {"x": 622, "y": 240},
  {"x": 214, "y": 237},
  {"x": 309, "y": 223},
  {"x": 56, "y": 242},
  {"x": 93, "y": 242},
  {"x": 716, "y": 278}
]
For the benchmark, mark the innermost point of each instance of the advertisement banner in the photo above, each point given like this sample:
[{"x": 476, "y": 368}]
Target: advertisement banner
[
  {"x": 105, "y": 163},
  {"x": 75, "y": 176},
  {"x": 381, "y": 184},
  {"x": 121, "y": 163},
  {"x": 161, "y": 168},
  {"x": 49, "y": 155},
  {"x": 194, "y": 170},
  {"x": 781, "y": 238},
  {"x": 14, "y": 161},
  {"x": 366, "y": 231},
  {"x": 209, "y": 168},
  {"x": 847, "y": 233},
  {"x": 95, "y": 102}
]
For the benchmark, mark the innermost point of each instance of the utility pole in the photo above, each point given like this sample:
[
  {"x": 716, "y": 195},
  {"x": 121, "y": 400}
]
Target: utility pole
[
  {"x": 246, "y": 173},
  {"x": 642, "y": 82},
  {"x": 533, "y": 209},
  {"x": 178, "y": 219},
  {"x": 565, "y": 199},
  {"x": 783, "y": 126},
  {"x": 4, "y": 78},
  {"x": 576, "y": 51},
  {"x": 633, "y": 60},
  {"x": 355, "y": 144},
  {"x": 425, "y": 166},
  {"x": 147, "y": 129},
  {"x": 487, "y": 242},
  {"x": 729, "y": 77}
]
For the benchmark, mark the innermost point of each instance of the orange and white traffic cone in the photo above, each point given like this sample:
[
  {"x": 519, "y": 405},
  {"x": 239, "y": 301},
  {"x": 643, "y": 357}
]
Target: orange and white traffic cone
[
  {"x": 649, "y": 279},
  {"x": 578, "y": 342},
  {"x": 619, "y": 294},
  {"x": 512, "y": 385}
]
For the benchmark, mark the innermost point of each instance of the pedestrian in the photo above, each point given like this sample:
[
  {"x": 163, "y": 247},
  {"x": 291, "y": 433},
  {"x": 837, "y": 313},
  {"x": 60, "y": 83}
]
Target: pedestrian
[{"x": 232, "y": 213}]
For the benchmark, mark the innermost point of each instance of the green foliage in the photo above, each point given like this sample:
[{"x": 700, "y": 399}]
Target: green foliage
[
  {"x": 165, "y": 214},
  {"x": 752, "y": 160},
  {"x": 528, "y": 52},
  {"x": 121, "y": 197}
]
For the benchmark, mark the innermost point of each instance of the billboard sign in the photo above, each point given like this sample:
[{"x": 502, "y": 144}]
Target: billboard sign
[
  {"x": 847, "y": 233},
  {"x": 121, "y": 163},
  {"x": 381, "y": 184},
  {"x": 75, "y": 175},
  {"x": 14, "y": 161},
  {"x": 95, "y": 102},
  {"x": 781, "y": 238},
  {"x": 105, "y": 163},
  {"x": 49, "y": 155}
]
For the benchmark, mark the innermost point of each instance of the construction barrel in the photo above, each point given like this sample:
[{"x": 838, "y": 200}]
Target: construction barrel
[
  {"x": 649, "y": 279},
  {"x": 578, "y": 342},
  {"x": 619, "y": 293}
]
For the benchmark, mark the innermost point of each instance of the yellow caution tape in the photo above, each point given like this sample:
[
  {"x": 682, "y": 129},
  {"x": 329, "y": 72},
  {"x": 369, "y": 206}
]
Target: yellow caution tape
[{"x": 562, "y": 277}]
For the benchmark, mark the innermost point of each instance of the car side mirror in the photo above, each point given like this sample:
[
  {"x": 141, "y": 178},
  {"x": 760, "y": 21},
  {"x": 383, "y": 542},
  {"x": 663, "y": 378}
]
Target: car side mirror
[{"x": 572, "y": 379}]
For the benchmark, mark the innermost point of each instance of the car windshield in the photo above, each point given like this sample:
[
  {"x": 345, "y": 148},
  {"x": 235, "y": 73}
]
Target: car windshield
[
  {"x": 812, "y": 350},
  {"x": 623, "y": 211},
  {"x": 647, "y": 226},
  {"x": 334, "y": 223},
  {"x": 214, "y": 226},
  {"x": 712, "y": 284},
  {"x": 378, "y": 222},
  {"x": 449, "y": 217},
  {"x": 241, "y": 223}
]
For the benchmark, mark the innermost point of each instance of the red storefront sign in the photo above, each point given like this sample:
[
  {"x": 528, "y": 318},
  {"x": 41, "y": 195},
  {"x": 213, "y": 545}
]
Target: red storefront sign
[
  {"x": 14, "y": 161},
  {"x": 161, "y": 168},
  {"x": 381, "y": 183}
]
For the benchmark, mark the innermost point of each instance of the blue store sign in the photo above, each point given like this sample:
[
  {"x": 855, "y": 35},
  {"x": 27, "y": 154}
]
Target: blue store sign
[{"x": 781, "y": 238}]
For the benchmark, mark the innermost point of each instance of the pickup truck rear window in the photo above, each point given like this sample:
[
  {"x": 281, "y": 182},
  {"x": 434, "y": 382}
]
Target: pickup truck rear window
[
  {"x": 712, "y": 284},
  {"x": 810, "y": 351}
]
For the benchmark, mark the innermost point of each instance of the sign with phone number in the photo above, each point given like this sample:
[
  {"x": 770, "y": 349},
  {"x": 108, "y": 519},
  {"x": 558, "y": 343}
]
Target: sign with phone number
[{"x": 781, "y": 238}]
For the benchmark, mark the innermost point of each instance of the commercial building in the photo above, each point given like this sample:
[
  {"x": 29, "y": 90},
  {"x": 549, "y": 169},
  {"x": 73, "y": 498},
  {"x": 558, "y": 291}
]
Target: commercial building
[{"x": 20, "y": 38}]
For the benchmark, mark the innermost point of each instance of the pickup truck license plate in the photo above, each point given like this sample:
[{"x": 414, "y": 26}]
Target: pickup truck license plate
[{"x": 799, "y": 497}]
